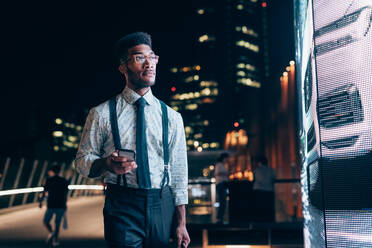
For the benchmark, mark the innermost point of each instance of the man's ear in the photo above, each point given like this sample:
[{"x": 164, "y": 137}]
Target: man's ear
[{"x": 122, "y": 68}]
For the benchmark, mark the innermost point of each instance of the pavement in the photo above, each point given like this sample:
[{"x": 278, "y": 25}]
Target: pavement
[{"x": 24, "y": 228}]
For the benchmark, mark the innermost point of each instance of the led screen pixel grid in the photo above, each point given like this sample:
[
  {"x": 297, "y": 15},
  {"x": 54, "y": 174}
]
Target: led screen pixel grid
[{"x": 334, "y": 77}]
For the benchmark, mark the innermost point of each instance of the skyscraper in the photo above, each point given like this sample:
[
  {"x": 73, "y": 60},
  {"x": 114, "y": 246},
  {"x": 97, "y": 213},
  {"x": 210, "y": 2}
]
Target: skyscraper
[{"x": 219, "y": 88}]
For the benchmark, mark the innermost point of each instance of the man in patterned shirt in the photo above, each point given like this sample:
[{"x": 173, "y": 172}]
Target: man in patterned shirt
[{"x": 143, "y": 195}]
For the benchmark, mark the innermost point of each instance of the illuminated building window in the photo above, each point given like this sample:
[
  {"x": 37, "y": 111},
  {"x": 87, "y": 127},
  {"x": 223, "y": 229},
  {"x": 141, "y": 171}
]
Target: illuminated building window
[
  {"x": 240, "y": 6},
  {"x": 240, "y": 73},
  {"x": 206, "y": 92},
  {"x": 198, "y": 135},
  {"x": 200, "y": 11},
  {"x": 188, "y": 129},
  {"x": 248, "y": 45},
  {"x": 57, "y": 133},
  {"x": 249, "y": 82},
  {"x": 208, "y": 83},
  {"x": 205, "y": 145},
  {"x": 174, "y": 70},
  {"x": 189, "y": 79},
  {"x": 56, "y": 148},
  {"x": 58, "y": 121},
  {"x": 72, "y": 138},
  {"x": 78, "y": 128},
  {"x": 206, "y": 123},
  {"x": 240, "y": 66},
  {"x": 192, "y": 106},
  {"x": 205, "y": 38},
  {"x": 190, "y": 142},
  {"x": 246, "y": 30},
  {"x": 214, "y": 145},
  {"x": 250, "y": 67}
]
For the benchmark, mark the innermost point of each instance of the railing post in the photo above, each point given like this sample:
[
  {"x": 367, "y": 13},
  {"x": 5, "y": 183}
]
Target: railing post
[
  {"x": 7, "y": 162},
  {"x": 17, "y": 180},
  {"x": 80, "y": 177},
  {"x": 36, "y": 162},
  {"x": 41, "y": 177},
  {"x": 72, "y": 181}
]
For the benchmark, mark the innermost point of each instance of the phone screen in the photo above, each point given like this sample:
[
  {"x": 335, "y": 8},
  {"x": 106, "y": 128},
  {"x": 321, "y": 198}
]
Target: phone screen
[{"x": 129, "y": 154}]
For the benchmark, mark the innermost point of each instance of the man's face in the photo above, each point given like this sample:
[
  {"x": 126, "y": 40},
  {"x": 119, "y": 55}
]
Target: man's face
[{"x": 140, "y": 67}]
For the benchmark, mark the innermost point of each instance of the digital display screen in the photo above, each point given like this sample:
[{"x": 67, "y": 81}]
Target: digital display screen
[{"x": 334, "y": 88}]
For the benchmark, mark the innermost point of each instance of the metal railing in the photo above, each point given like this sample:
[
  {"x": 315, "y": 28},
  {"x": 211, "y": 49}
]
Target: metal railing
[{"x": 21, "y": 181}]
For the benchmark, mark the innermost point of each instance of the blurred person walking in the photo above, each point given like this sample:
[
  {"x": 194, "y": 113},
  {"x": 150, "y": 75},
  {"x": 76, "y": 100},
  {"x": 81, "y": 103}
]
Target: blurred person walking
[
  {"x": 55, "y": 191},
  {"x": 143, "y": 193},
  {"x": 263, "y": 187}
]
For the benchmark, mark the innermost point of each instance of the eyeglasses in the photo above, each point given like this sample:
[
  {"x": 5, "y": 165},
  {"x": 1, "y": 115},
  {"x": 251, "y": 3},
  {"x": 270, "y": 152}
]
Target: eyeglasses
[{"x": 141, "y": 59}]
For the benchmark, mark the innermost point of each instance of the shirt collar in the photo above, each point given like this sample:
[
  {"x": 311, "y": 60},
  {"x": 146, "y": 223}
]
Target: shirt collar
[{"x": 131, "y": 96}]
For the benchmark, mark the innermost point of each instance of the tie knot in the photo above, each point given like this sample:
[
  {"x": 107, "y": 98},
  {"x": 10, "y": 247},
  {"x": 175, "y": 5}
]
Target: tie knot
[{"x": 141, "y": 102}]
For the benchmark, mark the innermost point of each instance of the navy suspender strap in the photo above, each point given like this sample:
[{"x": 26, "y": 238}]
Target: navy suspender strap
[
  {"x": 115, "y": 132},
  {"x": 165, "y": 145}
]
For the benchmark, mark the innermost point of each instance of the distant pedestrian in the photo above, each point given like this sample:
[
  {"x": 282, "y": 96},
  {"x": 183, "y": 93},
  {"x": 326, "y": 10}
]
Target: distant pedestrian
[
  {"x": 55, "y": 190},
  {"x": 221, "y": 174},
  {"x": 263, "y": 186}
]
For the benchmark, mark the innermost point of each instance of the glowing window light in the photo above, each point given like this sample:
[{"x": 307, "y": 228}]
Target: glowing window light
[
  {"x": 56, "y": 148},
  {"x": 188, "y": 129},
  {"x": 240, "y": 65},
  {"x": 57, "y": 133},
  {"x": 200, "y": 11},
  {"x": 240, "y": 73},
  {"x": 206, "y": 123},
  {"x": 190, "y": 142},
  {"x": 203, "y": 38},
  {"x": 72, "y": 138},
  {"x": 206, "y": 92},
  {"x": 59, "y": 121},
  {"x": 191, "y": 106},
  {"x": 205, "y": 145},
  {"x": 250, "y": 67},
  {"x": 174, "y": 70},
  {"x": 198, "y": 135},
  {"x": 214, "y": 145},
  {"x": 78, "y": 128},
  {"x": 240, "y": 7}
]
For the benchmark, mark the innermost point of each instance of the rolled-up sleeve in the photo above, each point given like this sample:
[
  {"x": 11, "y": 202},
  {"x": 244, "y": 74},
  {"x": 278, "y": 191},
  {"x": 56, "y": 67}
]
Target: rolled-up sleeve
[
  {"x": 91, "y": 143},
  {"x": 178, "y": 163}
]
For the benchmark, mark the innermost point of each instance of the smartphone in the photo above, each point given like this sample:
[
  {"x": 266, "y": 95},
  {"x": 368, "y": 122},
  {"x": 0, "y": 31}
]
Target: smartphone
[{"x": 129, "y": 154}]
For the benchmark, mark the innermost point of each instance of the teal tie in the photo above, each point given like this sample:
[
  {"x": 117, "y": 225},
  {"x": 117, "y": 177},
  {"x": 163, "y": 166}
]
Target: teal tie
[{"x": 143, "y": 172}]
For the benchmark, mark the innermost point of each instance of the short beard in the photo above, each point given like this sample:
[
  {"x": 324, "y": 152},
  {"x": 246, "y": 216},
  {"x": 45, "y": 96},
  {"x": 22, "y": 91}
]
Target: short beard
[{"x": 137, "y": 82}]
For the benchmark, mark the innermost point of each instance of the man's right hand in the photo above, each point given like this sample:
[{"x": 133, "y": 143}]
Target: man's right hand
[{"x": 119, "y": 165}]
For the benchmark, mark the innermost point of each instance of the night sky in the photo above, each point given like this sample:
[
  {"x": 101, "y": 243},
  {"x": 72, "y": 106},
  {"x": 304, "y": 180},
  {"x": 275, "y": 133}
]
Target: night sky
[{"x": 57, "y": 57}]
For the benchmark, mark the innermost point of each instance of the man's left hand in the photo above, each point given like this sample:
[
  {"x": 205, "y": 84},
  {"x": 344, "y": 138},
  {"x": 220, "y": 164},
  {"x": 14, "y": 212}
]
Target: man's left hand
[{"x": 183, "y": 239}]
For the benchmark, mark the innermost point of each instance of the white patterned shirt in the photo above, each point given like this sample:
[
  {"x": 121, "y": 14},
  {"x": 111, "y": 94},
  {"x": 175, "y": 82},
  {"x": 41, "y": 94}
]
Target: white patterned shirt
[{"x": 97, "y": 142}]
